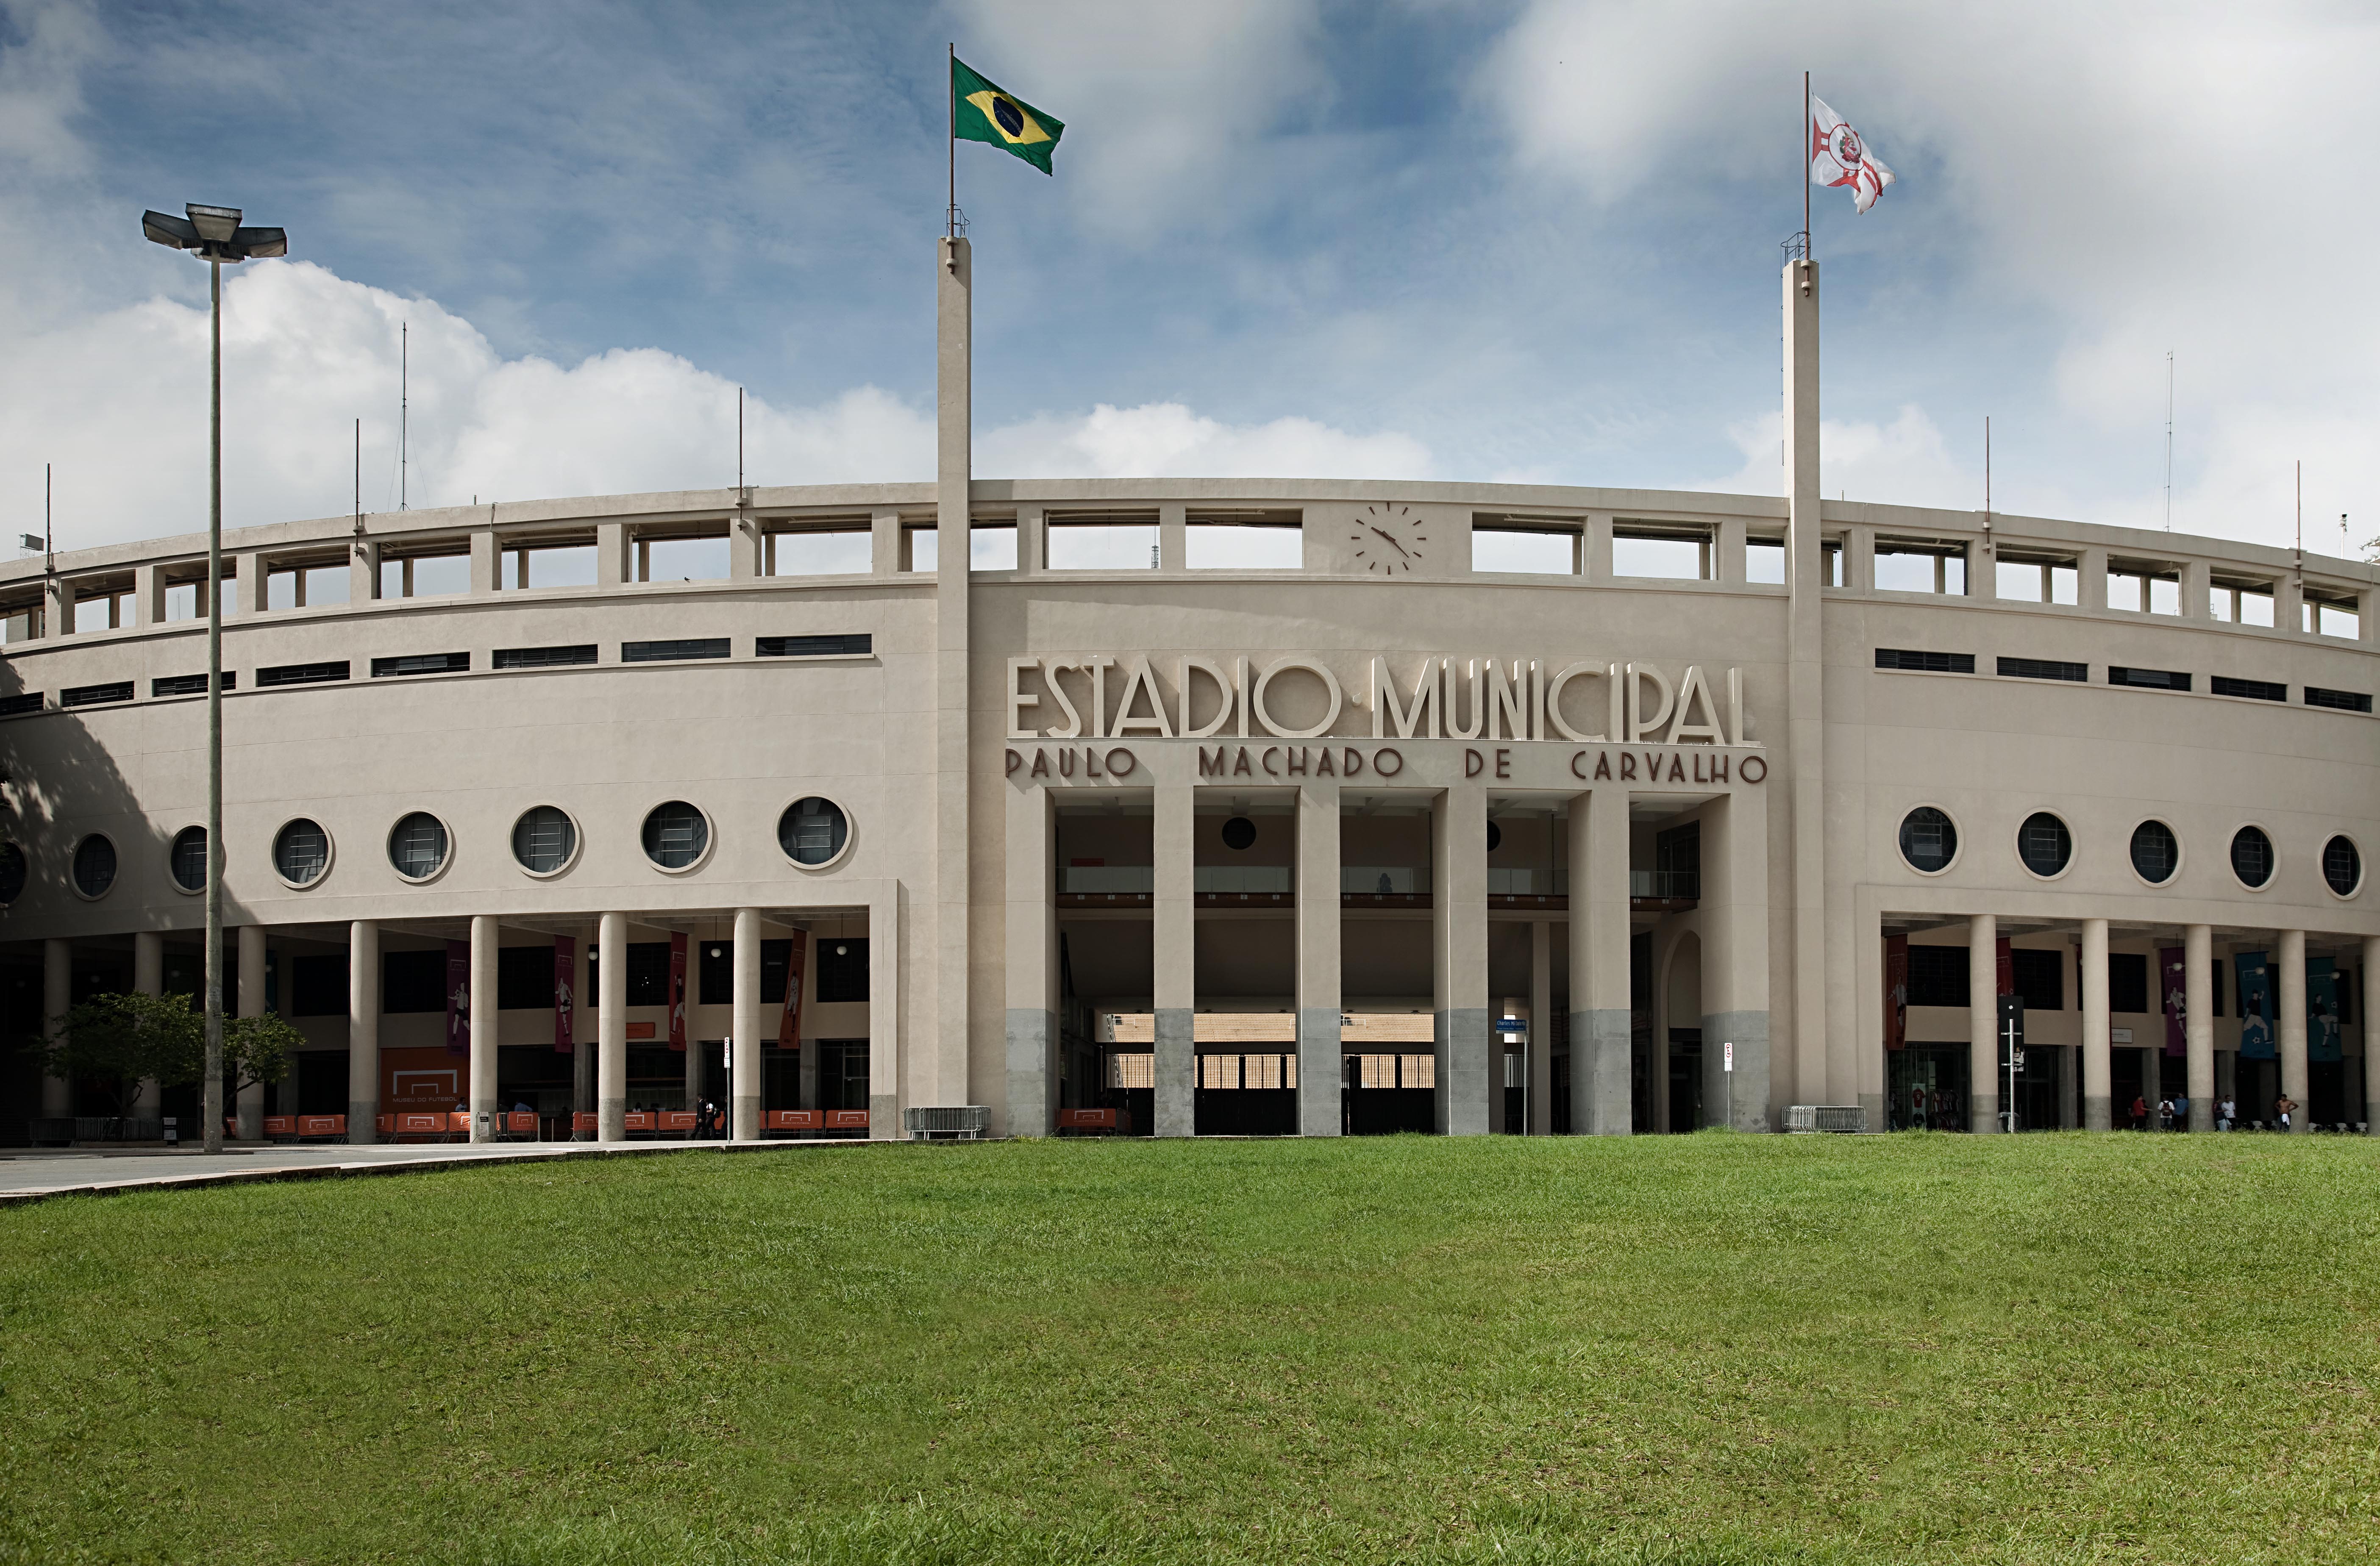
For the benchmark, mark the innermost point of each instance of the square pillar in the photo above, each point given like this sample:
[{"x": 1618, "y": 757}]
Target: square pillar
[
  {"x": 1470, "y": 1075},
  {"x": 1729, "y": 568},
  {"x": 483, "y": 1028},
  {"x": 611, "y": 1029},
  {"x": 1540, "y": 1120},
  {"x": 884, "y": 963},
  {"x": 884, "y": 543},
  {"x": 58, "y": 999},
  {"x": 1173, "y": 536},
  {"x": 363, "y": 572},
  {"x": 148, "y": 595},
  {"x": 149, "y": 978},
  {"x": 745, "y": 549},
  {"x": 485, "y": 560},
  {"x": 57, "y": 607},
  {"x": 1319, "y": 1066},
  {"x": 2289, "y": 615},
  {"x": 744, "y": 1084},
  {"x": 2198, "y": 1022},
  {"x": 1983, "y": 1022},
  {"x": 2090, "y": 587},
  {"x": 1031, "y": 1018},
  {"x": 2363, "y": 996},
  {"x": 1596, "y": 554},
  {"x": 1733, "y": 903},
  {"x": 582, "y": 1048},
  {"x": 363, "y": 1032},
  {"x": 1859, "y": 560},
  {"x": 1601, "y": 1104},
  {"x": 2098, "y": 1076},
  {"x": 1175, "y": 931},
  {"x": 2290, "y": 959},
  {"x": 2196, "y": 585},
  {"x": 250, "y": 1108},
  {"x": 611, "y": 555}
]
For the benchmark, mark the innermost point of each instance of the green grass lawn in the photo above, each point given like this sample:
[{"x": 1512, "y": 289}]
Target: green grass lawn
[{"x": 1693, "y": 1349}]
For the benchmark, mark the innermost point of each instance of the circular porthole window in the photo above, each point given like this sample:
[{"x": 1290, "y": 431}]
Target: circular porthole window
[
  {"x": 545, "y": 839},
  {"x": 813, "y": 832},
  {"x": 416, "y": 845},
  {"x": 188, "y": 858},
  {"x": 2342, "y": 865},
  {"x": 2156, "y": 852},
  {"x": 2044, "y": 845},
  {"x": 12, "y": 871},
  {"x": 1495, "y": 837},
  {"x": 1928, "y": 840},
  {"x": 675, "y": 835},
  {"x": 2251, "y": 856},
  {"x": 1239, "y": 832},
  {"x": 94, "y": 866},
  {"x": 301, "y": 851}
]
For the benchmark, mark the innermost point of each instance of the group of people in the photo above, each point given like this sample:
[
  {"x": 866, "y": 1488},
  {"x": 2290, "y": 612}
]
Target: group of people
[{"x": 2173, "y": 1113}]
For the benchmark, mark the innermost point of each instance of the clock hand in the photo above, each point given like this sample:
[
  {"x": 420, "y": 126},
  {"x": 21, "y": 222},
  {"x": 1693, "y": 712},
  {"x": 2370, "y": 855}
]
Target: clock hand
[{"x": 1392, "y": 541}]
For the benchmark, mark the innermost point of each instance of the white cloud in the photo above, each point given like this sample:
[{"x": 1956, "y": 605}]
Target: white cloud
[
  {"x": 1167, "y": 440},
  {"x": 1902, "y": 463}
]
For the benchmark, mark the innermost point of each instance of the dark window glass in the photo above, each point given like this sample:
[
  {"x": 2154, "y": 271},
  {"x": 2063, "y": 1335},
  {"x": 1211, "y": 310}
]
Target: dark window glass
[
  {"x": 648, "y": 982},
  {"x": 842, "y": 968},
  {"x": 1239, "y": 832},
  {"x": 815, "y": 647},
  {"x": 776, "y": 957},
  {"x": 189, "y": 685},
  {"x": 2156, "y": 854},
  {"x": 811, "y": 832},
  {"x": 12, "y": 872},
  {"x": 2128, "y": 981},
  {"x": 543, "y": 840},
  {"x": 416, "y": 846},
  {"x": 413, "y": 981},
  {"x": 544, "y": 657},
  {"x": 421, "y": 663},
  {"x": 301, "y": 673},
  {"x": 714, "y": 968},
  {"x": 2251, "y": 856},
  {"x": 1925, "y": 662},
  {"x": 190, "y": 858},
  {"x": 2040, "y": 978},
  {"x": 1928, "y": 840},
  {"x": 525, "y": 979},
  {"x": 2043, "y": 669},
  {"x": 30, "y": 701},
  {"x": 669, "y": 651},
  {"x": 2044, "y": 844},
  {"x": 1938, "y": 976},
  {"x": 2342, "y": 700},
  {"x": 94, "y": 866},
  {"x": 676, "y": 835},
  {"x": 318, "y": 985},
  {"x": 2342, "y": 866},
  {"x": 95, "y": 695},
  {"x": 2258, "y": 690},
  {"x": 301, "y": 853}
]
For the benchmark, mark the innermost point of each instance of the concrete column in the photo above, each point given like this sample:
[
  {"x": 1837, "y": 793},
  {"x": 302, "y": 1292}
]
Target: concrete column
[
  {"x": 484, "y": 1106},
  {"x": 250, "y": 1108},
  {"x": 2198, "y": 1019},
  {"x": 1031, "y": 1017},
  {"x": 885, "y": 956},
  {"x": 2151, "y": 1078},
  {"x": 1805, "y": 702},
  {"x": 1983, "y": 1022},
  {"x": 745, "y": 1081},
  {"x": 1729, "y": 568},
  {"x": 148, "y": 595},
  {"x": 1596, "y": 548},
  {"x": 806, "y": 1071},
  {"x": 943, "y": 1077},
  {"x": 485, "y": 559},
  {"x": 149, "y": 978},
  {"x": 1599, "y": 1002},
  {"x": 1734, "y": 908},
  {"x": 692, "y": 1073},
  {"x": 2291, "y": 960},
  {"x": 1319, "y": 1071},
  {"x": 1173, "y": 536},
  {"x": 363, "y": 571},
  {"x": 58, "y": 999},
  {"x": 363, "y": 1032},
  {"x": 611, "y": 1029},
  {"x": 243, "y": 584},
  {"x": 743, "y": 548},
  {"x": 1032, "y": 531},
  {"x": 1540, "y": 1122},
  {"x": 1859, "y": 560},
  {"x": 2090, "y": 578},
  {"x": 57, "y": 607},
  {"x": 884, "y": 543},
  {"x": 2363, "y": 996},
  {"x": 2070, "y": 1090},
  {"x": 2195, "y": 591},
  {"x": 582, "y": 1046},
  {"x": 2289, "y": 615},
  {"x": 2098, "y": 1074},
  {"x": 1174, "y": 931},
  {"x": 1470, "y": 1070},
  {"x": 612, "y": 554}
]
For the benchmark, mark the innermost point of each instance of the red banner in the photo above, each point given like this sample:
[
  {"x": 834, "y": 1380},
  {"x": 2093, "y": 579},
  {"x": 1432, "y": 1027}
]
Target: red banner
[
  {"x": 1896, "y": 991},
  {"x": 789, "y": 1017},
  {"x": 677, "y": 991},
  {"x": 566, "y": 994},
  {"x": 458, "y": 997},
  {"x": 2006, "y": 984}
]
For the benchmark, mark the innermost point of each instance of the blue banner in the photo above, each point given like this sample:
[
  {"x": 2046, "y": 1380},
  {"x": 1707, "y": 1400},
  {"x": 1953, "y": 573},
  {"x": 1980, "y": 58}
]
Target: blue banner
[
  {"x": 2255, "y": 1007},
  {"x": 2322, "y": 1010}
]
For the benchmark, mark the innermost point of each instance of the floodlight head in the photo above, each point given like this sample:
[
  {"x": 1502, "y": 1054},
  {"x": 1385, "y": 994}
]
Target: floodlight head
[
  {"x": 214, "y": 233},
  {"x": 30, "y": 541},
  {"x": 164, "y": 228},
  {"x": 261, "y": 243},
  {"x": 216, "y": 223}
]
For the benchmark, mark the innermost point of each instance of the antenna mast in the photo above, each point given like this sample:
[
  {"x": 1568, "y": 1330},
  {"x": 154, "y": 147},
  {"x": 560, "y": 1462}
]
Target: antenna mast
[
  {"x": 2168, "y": 440},
  {"x": 404, "y": 390},
  {"x": 50, "y": 537}
]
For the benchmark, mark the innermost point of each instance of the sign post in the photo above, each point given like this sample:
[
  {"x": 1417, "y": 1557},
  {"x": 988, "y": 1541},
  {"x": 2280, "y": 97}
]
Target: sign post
[{"x": 2012, "y": 1054}]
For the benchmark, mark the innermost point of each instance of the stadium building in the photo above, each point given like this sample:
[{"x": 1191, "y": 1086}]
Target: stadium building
[{"x": 1231, "y": 806}]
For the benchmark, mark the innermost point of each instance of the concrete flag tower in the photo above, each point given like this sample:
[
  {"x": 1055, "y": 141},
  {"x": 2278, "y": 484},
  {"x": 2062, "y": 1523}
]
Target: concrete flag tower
[{"x": 940, "y": 1077}]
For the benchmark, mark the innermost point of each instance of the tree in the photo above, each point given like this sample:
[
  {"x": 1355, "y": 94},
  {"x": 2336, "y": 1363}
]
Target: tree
[
  {"x": 256, "y": 1050},
  {"x": 121, "y": 1040}
]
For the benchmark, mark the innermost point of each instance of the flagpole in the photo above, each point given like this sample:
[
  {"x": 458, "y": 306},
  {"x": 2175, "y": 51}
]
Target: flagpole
[
  {"x": 950, "y": 118},
  {"x": 1808, "y": 252}
]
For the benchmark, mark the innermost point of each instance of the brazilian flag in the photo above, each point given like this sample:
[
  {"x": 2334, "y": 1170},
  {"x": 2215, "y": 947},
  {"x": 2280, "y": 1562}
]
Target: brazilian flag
[{"x": 981, "y": 111}]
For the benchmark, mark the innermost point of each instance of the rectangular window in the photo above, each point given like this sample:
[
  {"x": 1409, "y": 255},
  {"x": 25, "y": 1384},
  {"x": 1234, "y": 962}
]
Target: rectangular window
[
  {"x": 191, "y": 685},
  {"x": 1920, "y": 566},
  {"x": 2342, "y": 700},
  {"x": 776, "y": 960},
  {"x": 20, "y": 622},
  {"x": 301, "y": 674},
  {"x": 857, "y": 645},
  {"x": 684, "y": 558},
  {"x": 1131, "y": 1071},
  {"x": 1764, "y": 560},
  {"x": 101, "y": 611},
  {"x": 2327, "y": 616},
  {"x": 531, "y": 565},
  {"x": 442, "y": 574},
  {"x": 1925, "y": 662},
  {"x": 318, "y": 985},
  {"x": 2128, "y": 981},
  {"x": 2148, "y": 679},
  {"x": 2043, "y": 669},
  {"x": 2040, "y": 978},
  {"x": 843, "y": 548},
  {"x": 714, "y": 971},
  {"x": 990, "y": 547},
  {"x": 421, "y": 663},
  {"x": 1513, "y": 545},
  {"x": 2026, "y": 579},
  {"x": 672, "y": 652},
  {"x": 1244, "y": 540},
  {"x": 1101, "y": 540},
  {"x": 544, "y": 657},
  {"x": 2240, "y": 603},
  {"x": 1938, "y": 976},
  {"x": 648, "y": 981},
  {"x": 2258, "y": 690},
  {"x": 525, "y": 979},
  {"x": 96, "y": 696},
  {"x": 23, "y": 701},
  {"x": 842, "y": 968},
  {"x": 411, "y": 981},
  {"x": 1647, "y": 549}
]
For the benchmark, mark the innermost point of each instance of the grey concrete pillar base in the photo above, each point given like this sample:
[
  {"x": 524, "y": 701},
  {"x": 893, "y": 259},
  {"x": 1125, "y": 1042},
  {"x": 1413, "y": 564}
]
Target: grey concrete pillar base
[
  {"x": 1318, "y": 1072},
  {"x": 363, "y": 1123},
  {"x": 1744, "y": 1090},
  {"x": 1983, "y": 1114},
  {"x": 1872, "y": 1112},
  {"x": 2098, "y": 1114},
  {"x": 1175, "y": 1100},
  {"x": 1602, "y": 1039},
  {"x": 1463, "y": 1092},
  {"x": 484, "y": 1130},
  {"x": 610, "y": 1120},
  {"x": 744, "y": 1118},
  {"x": 1032, "y": 1080},
  {"x": 885, "y": 1117},
  {"x": 2202, "y": 1115}
]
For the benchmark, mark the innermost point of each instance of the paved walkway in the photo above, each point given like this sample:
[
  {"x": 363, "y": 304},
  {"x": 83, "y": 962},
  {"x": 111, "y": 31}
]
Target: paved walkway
[{"x": 34, "y": 1174}]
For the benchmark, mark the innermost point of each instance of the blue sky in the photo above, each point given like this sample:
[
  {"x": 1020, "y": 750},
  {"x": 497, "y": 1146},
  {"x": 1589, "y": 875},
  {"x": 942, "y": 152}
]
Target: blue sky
[{"x": 1534, "y": 240}]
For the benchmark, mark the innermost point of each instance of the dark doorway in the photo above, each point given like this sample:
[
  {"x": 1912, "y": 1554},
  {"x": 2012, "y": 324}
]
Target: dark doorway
[
  {"x": 843, "y": 1074},
  {"x": 1685, "y": 1080},
  {"x": 1386, "y": 1094},
  {"x": 1926, "y": 1088},
  {"x": 1247, "y": 1094}
]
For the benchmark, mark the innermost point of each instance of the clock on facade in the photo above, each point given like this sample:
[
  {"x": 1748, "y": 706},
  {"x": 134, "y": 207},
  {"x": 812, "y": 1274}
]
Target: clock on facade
[{"x": 1388, "y": 539}]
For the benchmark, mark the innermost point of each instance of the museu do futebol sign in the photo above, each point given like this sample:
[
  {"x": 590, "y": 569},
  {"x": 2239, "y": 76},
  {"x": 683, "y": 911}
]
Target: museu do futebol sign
[{"x": 1528, "y": 724}]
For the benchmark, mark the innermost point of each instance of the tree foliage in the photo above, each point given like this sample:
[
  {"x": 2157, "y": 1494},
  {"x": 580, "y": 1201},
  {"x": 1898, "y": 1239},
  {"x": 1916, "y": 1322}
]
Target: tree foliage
[{"x": 121, "y": 1040}]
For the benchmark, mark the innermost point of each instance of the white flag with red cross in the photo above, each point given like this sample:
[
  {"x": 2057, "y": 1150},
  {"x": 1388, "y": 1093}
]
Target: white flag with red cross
[{"x": 1837, "y": 156}]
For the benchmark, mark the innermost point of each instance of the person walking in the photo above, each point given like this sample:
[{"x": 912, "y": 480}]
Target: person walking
[
  {"x": 2165, "y": 1114},
  {"x": 2140, "y": 1114},
  {"x": 2181, "y": 1112}
]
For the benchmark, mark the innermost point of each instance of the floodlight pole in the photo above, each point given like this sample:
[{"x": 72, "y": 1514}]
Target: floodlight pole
[{"x": 211, "y": 1088}]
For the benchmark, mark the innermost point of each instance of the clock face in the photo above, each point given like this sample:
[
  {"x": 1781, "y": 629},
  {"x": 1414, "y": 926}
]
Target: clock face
[{"x": 1388, "y": 539}]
